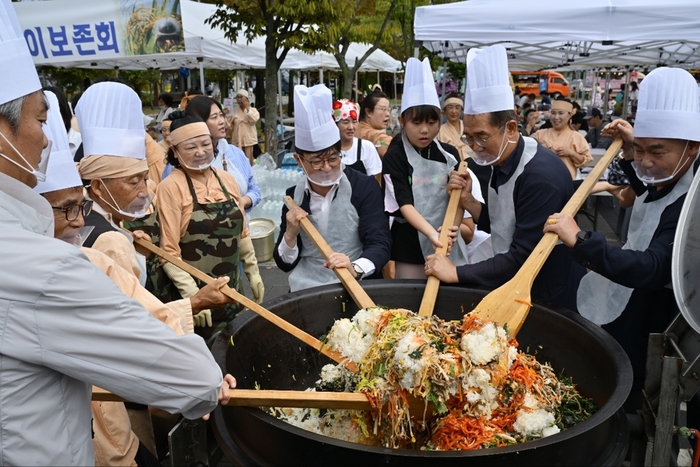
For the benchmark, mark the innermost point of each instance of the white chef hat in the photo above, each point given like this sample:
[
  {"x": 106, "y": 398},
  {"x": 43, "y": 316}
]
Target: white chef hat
[
  {"x": 111, "y": 121},
  {"x": 18, "y": 77},
  {"x": 488, "y": 81},
  {"x": 668, "y": 106},
  {"x": 419, "y": 85},
  {"x": 61, "y": 171},
  {"x": 314, "y": 128}
]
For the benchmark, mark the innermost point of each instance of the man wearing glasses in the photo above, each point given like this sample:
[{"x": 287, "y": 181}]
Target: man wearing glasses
[
  {"x": 345, "y": 205},
  {"x": 528, "y": 183}
]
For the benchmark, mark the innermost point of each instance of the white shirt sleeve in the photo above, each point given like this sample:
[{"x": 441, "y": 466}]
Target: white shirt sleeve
[
  {"x": 476, "y": 192},
  {"x": 288, "y": 255},
  {"x": 366, "y": 265},
  {"x": 370, "y": 158}
]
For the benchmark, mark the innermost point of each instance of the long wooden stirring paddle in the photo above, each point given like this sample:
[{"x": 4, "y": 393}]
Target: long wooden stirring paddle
[
  {"x": 427, "y": 304},
  {"x": 510, "y": 303},
  {"x": 358, "y": 294},
  {"x": 245, "y": 301}
]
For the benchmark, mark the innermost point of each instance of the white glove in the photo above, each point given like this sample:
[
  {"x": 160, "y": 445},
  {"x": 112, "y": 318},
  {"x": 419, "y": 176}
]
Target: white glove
[
  {"x": 250, "y": 267},
  {"x": 187, "y": 287},
  {"x": 202, "y": 319}
]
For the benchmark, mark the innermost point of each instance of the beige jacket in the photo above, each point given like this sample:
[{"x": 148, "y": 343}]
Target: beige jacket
[
  {"x": 114, "y": 442},
  {"x": 244, "y": 131}
]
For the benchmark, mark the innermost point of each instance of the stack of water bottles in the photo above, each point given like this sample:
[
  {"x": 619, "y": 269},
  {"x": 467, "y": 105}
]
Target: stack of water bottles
[{"x": 273, "y": 183}]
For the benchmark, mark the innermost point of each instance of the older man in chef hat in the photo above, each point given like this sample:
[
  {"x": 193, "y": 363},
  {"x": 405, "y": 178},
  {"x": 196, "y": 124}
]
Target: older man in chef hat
[
  {"x": 528, "y": 183},
  {"x": 627, "y": 289},
  {"x": 66, "y": 326},
  {"x": 343, "y": 204},
  {"x": 114, "y": 441}
]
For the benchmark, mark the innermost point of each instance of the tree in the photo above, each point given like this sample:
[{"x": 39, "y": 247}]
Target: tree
[
  {"x": 367, "y": 24},
  {"x": 285, "y": 24}
]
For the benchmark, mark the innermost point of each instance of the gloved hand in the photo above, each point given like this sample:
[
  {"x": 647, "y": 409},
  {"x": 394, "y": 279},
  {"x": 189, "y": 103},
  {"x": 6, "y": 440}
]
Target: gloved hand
[
  {"x": 202, "y": 319},
  {"x": 250, "y": 267},
  {"x": 187, "y": 287}
]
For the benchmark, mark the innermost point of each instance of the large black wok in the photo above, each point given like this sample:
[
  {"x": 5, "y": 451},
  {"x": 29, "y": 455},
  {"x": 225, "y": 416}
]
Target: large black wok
[{"x": 263, "y": 354}]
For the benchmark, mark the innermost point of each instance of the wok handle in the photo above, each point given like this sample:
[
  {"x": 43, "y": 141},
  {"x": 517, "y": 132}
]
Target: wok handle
[
  {"x": 358, "y": 294},
  {"x": 250, "y": 304},
  {"x": 427, "y": 304}
]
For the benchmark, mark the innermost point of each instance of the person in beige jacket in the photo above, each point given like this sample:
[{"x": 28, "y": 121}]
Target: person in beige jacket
[{"x": 245, "y": 134}]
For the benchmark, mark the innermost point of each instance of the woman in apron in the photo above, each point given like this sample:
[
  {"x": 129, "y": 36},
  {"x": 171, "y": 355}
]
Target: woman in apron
[
  {"x": 358, "y": 154},
  {"x": 200, "y": 218}
]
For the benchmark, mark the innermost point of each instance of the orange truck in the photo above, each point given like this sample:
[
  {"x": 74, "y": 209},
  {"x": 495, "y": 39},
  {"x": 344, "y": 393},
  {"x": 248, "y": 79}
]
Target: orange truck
[{"x": 536, "y": 82}]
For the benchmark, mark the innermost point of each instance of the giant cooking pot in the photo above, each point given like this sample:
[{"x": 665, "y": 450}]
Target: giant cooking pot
[{"x": 258, "y": 353}]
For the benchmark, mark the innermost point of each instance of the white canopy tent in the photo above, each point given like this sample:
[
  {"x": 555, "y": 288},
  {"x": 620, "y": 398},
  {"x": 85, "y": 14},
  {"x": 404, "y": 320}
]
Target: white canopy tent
[
  {"x": 595, "y": 33},
  {"x": 207, "y": 47}
]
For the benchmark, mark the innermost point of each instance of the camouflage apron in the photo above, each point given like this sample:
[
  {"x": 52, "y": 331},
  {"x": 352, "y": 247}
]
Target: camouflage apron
[{"x": 210, "y": 244}]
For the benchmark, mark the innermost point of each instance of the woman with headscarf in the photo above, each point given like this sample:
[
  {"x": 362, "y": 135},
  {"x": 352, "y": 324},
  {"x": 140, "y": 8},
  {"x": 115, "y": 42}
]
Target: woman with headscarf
[
  {"x": 245, "y": 134},
  {"x": 200, "y": 218},
  {"x": 356, "y": 153},
  {"x": 452, "y": 131},
  {"x": 571, "y": 147}
]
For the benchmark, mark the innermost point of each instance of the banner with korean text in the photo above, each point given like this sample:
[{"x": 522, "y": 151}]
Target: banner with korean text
[{"x": 69, "y": 30}]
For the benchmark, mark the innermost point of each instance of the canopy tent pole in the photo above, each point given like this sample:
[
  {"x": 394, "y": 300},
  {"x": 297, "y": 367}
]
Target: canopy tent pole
[
  {"x": 626, "y": 97},
  {"x": 378, "y": 78},
  {"x": 607, "y": 92},
  {"x": 395, "y": 96},
  {"x": 444, "y": 78},
  {"x": 357, "y": 89},
  {"x": 279, "y": 90},
  {"x": 201, "y": 74},
  {"x": 320, "y": 75},
  {"x": 116, "y": 72}
]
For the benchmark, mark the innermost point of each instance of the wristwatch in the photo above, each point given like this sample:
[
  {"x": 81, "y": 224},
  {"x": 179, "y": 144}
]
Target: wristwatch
[
  {"x": 581, "y": 237},
  {"x": 358, "y": 270}
]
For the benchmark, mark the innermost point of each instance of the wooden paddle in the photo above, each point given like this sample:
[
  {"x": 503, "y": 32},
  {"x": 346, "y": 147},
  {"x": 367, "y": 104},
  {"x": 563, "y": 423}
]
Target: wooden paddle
[
  {"x": 245, "y": 301},
  {"x": 509, "y": 304},
  {"x": 303, "y": 399},
  {"x": 427, "y": 304},
  {"x": 358, "y": 294}
]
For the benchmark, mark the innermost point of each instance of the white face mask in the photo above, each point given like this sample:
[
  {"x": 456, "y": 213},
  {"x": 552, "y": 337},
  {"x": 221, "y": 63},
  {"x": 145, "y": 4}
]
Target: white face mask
[
  {"x": 39, "y": 172},
  {"x": 76, "y": 236},
  {"x": 200, "y": 167},
  {"x": 325, "y": 178},
  {"x": 486, "y": 159},
  {"x": 136, "y": 209},
  {"x": 659, "y": 176},
  {"x": 163, "y": 107}
]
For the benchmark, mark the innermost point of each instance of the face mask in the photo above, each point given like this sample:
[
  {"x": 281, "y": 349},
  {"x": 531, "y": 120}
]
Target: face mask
[
  {"x": 136, "y": 209},
  {"x": 200, "y": 167},
  {"x": 163, "y": 107},
  {"x": 325, "y": 179},
  {"x": 659, "y": 176},
  {"x": 486, "y": 159},
  {"x": 76, "y": 236},
  {"x": 40, "y": 172}
]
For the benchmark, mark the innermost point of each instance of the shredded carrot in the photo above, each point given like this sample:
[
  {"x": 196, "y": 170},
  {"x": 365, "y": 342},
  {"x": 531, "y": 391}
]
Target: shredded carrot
[{"x": 520, "y": 300}]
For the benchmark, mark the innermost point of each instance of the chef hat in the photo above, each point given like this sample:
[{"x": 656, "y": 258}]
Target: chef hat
[
  {"x": 668, "y": 106},
  {"x": 419, "y": 86},
  {"x": 61, "y": 171},
  {"x": 314, "y": 128},
  {"x": 111, "y": 121},
  {"x": 488, "y": 81},
  {"x": 18, "y": 76}
]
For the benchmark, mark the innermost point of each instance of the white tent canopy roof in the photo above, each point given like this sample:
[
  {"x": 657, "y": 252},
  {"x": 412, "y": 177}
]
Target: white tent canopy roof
[{"x": 595, "y": 33}]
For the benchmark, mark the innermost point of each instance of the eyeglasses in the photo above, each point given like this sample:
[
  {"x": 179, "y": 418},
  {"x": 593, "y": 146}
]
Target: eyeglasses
[
  {"x": 383, "y": 109},
  {"x": 73, "y": 211},
  {"x": 318, "y": 164},
  {"x": 482, "y": 142}
]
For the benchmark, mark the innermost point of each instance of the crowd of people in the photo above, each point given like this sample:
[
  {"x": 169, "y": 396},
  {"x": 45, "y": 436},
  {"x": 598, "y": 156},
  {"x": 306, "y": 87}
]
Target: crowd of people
[{"x": 83, "y": 306}]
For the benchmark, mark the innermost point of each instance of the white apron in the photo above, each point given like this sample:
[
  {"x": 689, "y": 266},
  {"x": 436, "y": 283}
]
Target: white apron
[
  {"x": 341, "y": 233},
  {"x": 603, "y": 301},
  {"x": 501, "y": 205},
  {"x": 429, "y": 184}
]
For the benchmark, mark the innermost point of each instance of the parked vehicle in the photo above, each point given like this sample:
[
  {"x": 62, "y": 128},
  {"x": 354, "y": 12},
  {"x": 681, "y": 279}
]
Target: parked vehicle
[{"x": 536, "y": 82}]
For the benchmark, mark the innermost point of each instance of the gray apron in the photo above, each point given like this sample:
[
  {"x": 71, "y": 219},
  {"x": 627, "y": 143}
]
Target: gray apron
[
  {"x": 341, "y": 233},
  {"x": 502, "y": 206},
  {"x": 601, "y": 300},
  {"x": 429, "y": 184}
]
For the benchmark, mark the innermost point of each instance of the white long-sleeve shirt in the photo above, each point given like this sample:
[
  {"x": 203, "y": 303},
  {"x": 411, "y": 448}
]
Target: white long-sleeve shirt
[{"x": 65, "y": 326}]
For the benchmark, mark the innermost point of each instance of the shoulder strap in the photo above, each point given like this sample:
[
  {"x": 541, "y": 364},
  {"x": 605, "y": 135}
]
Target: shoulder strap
[{"x": 359, "y": 148}]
